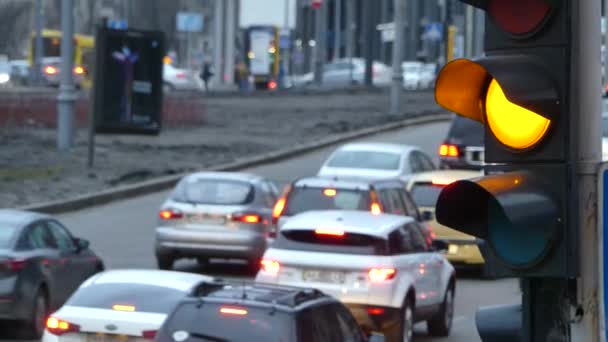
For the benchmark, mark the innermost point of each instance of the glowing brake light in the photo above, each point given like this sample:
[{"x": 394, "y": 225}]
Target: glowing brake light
[
  {"x": 169, "y": 214},
  {"x": 375, "y": 311},
  {"x": 272, "y": 85},
  {"x": 247, "y": 217},
  {"x": 233, "y": 311},
  {"x": 378, "y": 275},
  {"x": 330, "y": 232},
  {"x": 79, "y": 70},
  {"x": 448, "y": 150},
  {"x": 440, "y": 181},
  {"x": 375, "y": 207},
  {"x": 330, "y": 192},
  {"x": 270, "y": 266},
  {"x": 58, "y": 327},
  {"x": 50, "y": 70},
  {"x": 120, "y": 307}
]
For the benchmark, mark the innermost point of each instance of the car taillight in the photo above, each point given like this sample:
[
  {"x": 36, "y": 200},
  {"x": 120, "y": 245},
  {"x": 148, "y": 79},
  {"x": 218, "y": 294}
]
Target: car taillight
[
  {"x": 270, "y": 266},
  {"x": 148, "y": 334},
  {"x": 272, "y": 85},
  {"x": 378, "y": 275},
  {"x": 180, "y": 75},
  {"x": 170, "y": 214},
  {"x": 58, "y": 327},
  {"x": 375, "y": 207},
  {"x": 375, "y": 311},
  {"x": 246, "y": 217},
  {"x": 447, "y": 150},
  {"x": 50, "y": 70},
  {"x": 79, "y": 70},
  {"x": 13, "y": 265},
  {"x": 233, "y": 311},
  {"x": 329, "y": 232}
]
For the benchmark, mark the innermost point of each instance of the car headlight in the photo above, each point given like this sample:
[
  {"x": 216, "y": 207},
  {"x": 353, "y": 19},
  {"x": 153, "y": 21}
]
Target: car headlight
[{"x": 4, "y": 78}]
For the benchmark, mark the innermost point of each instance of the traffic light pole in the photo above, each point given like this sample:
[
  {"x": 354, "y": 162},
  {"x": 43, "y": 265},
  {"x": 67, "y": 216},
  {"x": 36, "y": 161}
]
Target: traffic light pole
[{"x": 586, "y": 107}]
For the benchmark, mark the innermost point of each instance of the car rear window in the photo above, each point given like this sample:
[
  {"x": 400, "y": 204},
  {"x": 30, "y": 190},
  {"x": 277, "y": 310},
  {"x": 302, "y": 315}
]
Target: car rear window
[
  {"x": 213, "y": 191},
  {"x": 6, "y": 235},
  {"x": 349, "y": 243},
  {"x": 236, "y": 323},
  {"x": 143, "y": 298},
  {"x": 365, "y": 160},
  {"x": 426, "y": 194},
  {"x": 465, "y": 131},
  {"x": 303, "y": 199}
]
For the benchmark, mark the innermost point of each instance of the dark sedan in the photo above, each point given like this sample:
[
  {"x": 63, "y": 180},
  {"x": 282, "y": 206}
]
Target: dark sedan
[{"x": 41, "y": 265}]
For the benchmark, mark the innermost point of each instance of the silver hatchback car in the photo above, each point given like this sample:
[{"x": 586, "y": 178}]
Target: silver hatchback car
[{"x": 216, "y": 215}]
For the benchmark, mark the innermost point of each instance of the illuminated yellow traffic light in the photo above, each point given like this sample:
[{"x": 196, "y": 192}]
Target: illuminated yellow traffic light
[{"x": 513, "y": 125}]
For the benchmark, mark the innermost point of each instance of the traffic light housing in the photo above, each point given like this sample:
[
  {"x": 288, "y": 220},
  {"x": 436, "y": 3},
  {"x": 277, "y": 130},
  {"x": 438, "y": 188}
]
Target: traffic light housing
[{"x": 519, "y": 90}]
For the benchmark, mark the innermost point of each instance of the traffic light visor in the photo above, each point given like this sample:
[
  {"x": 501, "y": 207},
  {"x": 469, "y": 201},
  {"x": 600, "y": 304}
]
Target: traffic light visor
[
  {"x": 460, "y": 87},
  {"x": 513, "y": 212}
]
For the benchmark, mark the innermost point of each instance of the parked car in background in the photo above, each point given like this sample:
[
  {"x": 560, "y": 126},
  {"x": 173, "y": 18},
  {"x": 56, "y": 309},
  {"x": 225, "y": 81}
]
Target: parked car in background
[
  {"x": 121, "y": 305},
  {"x": 428, "y": 75},
  {"x": 412, "y": 75},
  {"x": 339, "y": 73},
  {"x": 379, "y": 266},
  {"x": 260, "y": 312},
  {"x": 5, "y": 75},
  {"x": 463, "y": 147},
  {"x": 216, "y": 215},
  {"x": 20, "y": 72},
  {"x": 41, "y": 265},
  {"x": 463, "y": 250},
  {"x": 376, "y": 161},
  {"x": 180, "y": 79}
]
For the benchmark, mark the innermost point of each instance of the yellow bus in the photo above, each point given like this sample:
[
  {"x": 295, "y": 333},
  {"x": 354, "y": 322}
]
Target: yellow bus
[{"x": 84, "y": 47}]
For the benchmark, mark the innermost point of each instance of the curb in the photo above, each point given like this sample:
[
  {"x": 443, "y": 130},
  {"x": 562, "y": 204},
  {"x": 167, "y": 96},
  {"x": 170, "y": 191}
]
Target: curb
[{"x": 167, "y": 182}]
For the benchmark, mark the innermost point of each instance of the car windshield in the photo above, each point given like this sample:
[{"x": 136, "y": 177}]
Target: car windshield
[
  {"x": 234, "y": 323},
  {"x": 307, "y": 198},
  {"x": 213, "y": 191},
  {"x": 426, "y": 194},
  {"x": 127, "y": 296},
  {"x": 466, "y": 132},
  {"x": 6, "y": 235},
  {"x": 373, "y": 160}
]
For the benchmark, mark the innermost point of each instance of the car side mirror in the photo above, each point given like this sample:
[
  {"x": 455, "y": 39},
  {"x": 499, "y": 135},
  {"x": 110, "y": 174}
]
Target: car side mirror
[
  {"x": 427, "y": 215},
  {"x": 376, "y": 337},
  {"x": 440, "y": 245},
  {"x": 82, "y": 244}
]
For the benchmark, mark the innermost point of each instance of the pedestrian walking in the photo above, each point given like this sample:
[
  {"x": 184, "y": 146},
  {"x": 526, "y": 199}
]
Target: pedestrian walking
[{"x": 206, "y": 74}]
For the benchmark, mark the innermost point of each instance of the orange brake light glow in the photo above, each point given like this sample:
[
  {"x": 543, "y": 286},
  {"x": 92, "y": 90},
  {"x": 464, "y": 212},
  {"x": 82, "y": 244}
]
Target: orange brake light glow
[
  {"x": 440, "y": 181},
  {"x": 119, "y": 307},
  {"x": 375, "y": 208},
  {"x": 331, "y": 232},
  {"x": 233, "y": 311},
  {"x": 278, "y": 207},
  {"x": 330, "y": 192},
  {"x": 378, "y": 275}
]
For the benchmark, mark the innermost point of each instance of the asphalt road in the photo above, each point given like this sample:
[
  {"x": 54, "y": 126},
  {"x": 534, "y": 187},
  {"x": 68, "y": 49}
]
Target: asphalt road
[{"x": 123, "y": 233}]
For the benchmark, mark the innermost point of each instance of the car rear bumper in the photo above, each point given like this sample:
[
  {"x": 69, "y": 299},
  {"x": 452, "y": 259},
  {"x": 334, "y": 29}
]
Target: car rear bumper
[
  {"x": 374, "y": 318},
  {"x": 458, "y": 163},
  {"x": 218, "y": 244}
]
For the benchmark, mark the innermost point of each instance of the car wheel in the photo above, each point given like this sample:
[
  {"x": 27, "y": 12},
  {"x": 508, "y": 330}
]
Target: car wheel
[
  {"x": 441, "y": 324},
  {"x": 34, "y": 327},
  {"x": 165, "y": 262},
  {"x": 404, "y": 329}
]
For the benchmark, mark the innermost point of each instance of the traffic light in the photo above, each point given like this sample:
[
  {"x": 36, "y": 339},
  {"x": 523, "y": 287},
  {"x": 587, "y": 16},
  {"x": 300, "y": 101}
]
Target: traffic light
[{"x": 519, "y": 90}]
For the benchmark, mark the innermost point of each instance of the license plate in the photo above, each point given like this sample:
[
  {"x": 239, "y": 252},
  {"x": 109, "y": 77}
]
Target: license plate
[
  {"x": 101, "y": 337},
  {"x": 332, "y": 277},
  {"x": 207, "y": 220},
  {"x": 452, "y": 249}
]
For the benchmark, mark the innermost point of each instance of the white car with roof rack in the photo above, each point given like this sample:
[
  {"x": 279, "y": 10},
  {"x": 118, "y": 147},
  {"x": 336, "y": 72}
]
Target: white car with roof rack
[
  {"x": 379, "y": 266},
  {"x": 121, "y": 306}
]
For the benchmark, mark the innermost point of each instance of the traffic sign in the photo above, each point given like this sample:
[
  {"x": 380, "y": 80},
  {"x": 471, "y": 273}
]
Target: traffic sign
[
  {"x": 189, "y": 22},
  {"x": 603, "y": 246},
  {"x": 118, "y": 24},
  {"x": 433, "y": 32}
]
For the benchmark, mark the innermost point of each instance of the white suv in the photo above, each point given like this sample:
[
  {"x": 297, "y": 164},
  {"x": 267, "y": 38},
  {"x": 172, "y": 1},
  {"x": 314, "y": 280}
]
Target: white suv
[{"x": 379, "y": 266}]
